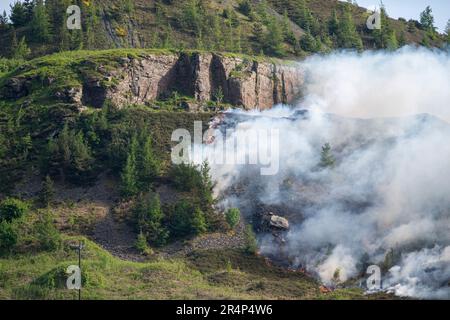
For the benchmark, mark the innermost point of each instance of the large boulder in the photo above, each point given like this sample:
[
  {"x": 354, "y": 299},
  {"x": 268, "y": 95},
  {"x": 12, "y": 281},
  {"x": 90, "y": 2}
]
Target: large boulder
[{"x": 278, "y": 222}]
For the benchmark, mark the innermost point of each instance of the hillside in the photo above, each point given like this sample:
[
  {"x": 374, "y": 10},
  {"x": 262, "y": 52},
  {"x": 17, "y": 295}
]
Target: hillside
[
  {"x": 86, "y": 125},
  {"x": 274, "y": 28}
]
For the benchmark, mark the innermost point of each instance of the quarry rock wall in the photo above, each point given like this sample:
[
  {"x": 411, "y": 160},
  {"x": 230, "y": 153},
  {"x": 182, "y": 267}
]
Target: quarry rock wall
[{"x": 204, "y": 76}]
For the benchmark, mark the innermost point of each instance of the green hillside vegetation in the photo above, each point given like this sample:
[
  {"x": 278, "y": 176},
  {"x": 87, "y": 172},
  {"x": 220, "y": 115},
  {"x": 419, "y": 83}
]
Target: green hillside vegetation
[
  {"x": 67, "y": 149},
  {"x": 68, "y": 170},
  {"x": 202, "y": 275},
  {"x": 270, "y": 27}
]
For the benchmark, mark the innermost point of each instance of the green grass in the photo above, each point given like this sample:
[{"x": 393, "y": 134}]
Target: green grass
[{"x": 202, "y": 275}]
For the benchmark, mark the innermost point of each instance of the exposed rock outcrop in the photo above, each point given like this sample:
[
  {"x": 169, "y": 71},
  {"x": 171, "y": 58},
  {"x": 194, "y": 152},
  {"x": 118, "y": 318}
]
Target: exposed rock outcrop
[
  {"x": 147, "y": 78},
  {"x": 205, "y": 77}
]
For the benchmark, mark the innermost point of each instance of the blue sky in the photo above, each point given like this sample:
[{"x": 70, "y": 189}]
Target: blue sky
[{"x": 409, "y": 9}]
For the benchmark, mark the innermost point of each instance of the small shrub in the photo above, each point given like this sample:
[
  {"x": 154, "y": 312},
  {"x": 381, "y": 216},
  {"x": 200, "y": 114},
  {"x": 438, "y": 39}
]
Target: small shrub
[
  {"x": 8, "y": 237},
  {"x": 142, "y": 245},
  {"x": 149, "y": 219},
  {"x": 251, "y": 245},
  {"x": 47, "y": 235},
  {"x": 47, "y": 192},
  {"x": 186, "y": 177},
  {"x": 11, "y": 209},
  {"x": 233, "y": 216},
  {"x": 229, "y": 266},
  {"x": 186, "y": 220}
]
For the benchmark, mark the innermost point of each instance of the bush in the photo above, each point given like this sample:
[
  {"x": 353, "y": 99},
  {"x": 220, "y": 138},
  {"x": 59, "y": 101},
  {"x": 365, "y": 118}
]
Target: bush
[
  {"x": 47, "y": 235},
  {"x": 142, "y": 245},
  {"x": 233, "y": 216},
  {"x": 149, "y": 217},
  {"x": 197, "y": 180},
  {"x": 251, "y": 245},
  {"x": 245, "y": 7},
  {"x": 47, "y": 192},
  {"x": 11, "y": 209},
  {"x": 8, "y": 237},
  {"x": 186, "y": 177},
  {"x": 187, "y": 220}
]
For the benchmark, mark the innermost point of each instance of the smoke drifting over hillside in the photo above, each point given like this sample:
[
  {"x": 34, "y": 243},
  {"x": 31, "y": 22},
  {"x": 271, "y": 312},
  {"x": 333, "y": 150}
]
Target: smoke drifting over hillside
[
  {"x": 386, "y": 201},
  {"x": 409, "y": 81}
]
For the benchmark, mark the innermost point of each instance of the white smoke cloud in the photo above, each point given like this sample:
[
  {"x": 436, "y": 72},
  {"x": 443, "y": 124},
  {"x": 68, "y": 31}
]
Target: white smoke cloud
[
  {"x": 409, "y": 81},
  {"x": 390, "y": 187}
]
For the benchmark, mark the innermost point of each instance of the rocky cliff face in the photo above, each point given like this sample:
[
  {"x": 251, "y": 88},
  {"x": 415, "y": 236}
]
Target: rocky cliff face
[
  {"x": 206, "y": 76},
  {"x": 147, "y": 78}
]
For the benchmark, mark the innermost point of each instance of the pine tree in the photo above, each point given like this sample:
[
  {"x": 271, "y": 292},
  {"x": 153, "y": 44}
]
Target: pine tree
[
  {"x": 4, "y": 22},
  {"x": 149, "y": 216},
  {"x": 206, "y": 187},
  {"x": 233, "y": 216},
  {"x": 47, "y": 192},
  {"x": 427, "y": 20},
  {"x": 29, "y": 8},
  {"x": 198, "y": 222},
  {"x": 425, "y": 41},
  {"x": 81, "y": 161},
  {"x": 288, "y": 34},
  {"x": 392, "y": 43},
  {"x": 274, "y": 39},
  {"x": 129, "y": 176},
  {"x": 447, "y": 32},
  {"x": 402, "y": 40},
  {"x": 149, "y": 165},
  {"x": 326, "y": 156},
  {"x": 258, "y": 34},
  {"x": 384, "y": 36},
  {"x": 40, "y": 23},
  {"x": 308, "y": 43},
  {"x": 18, "y": 15},
  {"x": 21, "y": 51},
  {"x": 262, "y": 11},
  {"x": 300, "y": 14},
  {"x": 347, "y": 35},
  {"x": 64, "y": 145},
  {"x": 333, "y": 24}
]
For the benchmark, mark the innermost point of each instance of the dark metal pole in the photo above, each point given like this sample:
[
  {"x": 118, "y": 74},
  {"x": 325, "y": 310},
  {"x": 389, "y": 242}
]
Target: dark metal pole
[{"x": 79, "y": 266}]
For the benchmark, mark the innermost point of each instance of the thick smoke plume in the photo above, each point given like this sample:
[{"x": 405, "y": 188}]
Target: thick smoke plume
[{"x": 386, "y": 201}]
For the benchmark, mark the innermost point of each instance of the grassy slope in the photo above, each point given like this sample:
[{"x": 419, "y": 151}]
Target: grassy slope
[
  {"x": 144, "y": 27},
  {"x": 202, "y": 275}
]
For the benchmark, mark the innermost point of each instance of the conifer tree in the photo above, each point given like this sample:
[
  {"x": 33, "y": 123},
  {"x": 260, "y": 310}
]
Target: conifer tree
[
  {"x": 258, "y": 34},
  {"x": 333, "y": 24},
  {"x": 326, "y": 156},
  {"x": 40, "y": 23},
  {"x": 18, "y": 15},
  {"x": 149, "y": 216},
  {"x": 392, "y": 42},
  {"x": 47, "y": 192},
  {"x": 427, "y": 20},
  {"x": 21, "y": 50},
  {"x": 81, "y": 161},
  {"x": 447, "y": 32},
  {"x": 129, "y": 179},
  {"x": 4, "y": 22},
  {"x": 148, "y": 164},
  {"x": 348, "y": 37},
  {"x": 274, "y": 39},
  {"x": 308, "y": 43}
]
